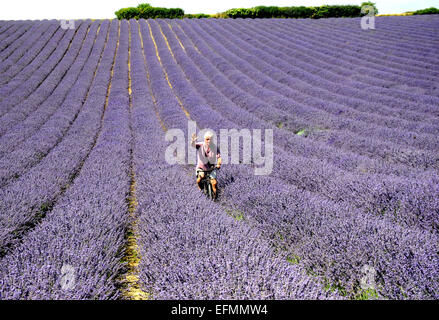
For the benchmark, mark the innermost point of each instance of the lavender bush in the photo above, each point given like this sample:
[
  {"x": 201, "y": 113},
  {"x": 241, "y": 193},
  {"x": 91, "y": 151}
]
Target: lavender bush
[{"x": 354, "y": 187}]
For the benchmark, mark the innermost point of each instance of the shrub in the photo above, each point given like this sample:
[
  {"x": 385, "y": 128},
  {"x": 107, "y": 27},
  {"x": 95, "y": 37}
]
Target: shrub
[
  {"x": 348, "y": 11},
  {"x": 146, "y": 11},
  {"x": 325, "y": 11},
  {"x": 127, "y": 13},
  {"x": 372, "y": 4},
  {"x": 196, "y": 16},
  {"x": 431, "y": 10},
  {"x": 239, "y": 13},
  {"x": 265, "y": 12},
  {"x": 296, "y": 12}
]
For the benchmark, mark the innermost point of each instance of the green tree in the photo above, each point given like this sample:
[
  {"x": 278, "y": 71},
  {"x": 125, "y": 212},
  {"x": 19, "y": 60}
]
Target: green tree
[
  {"x": 127, "y": 13},
  {"x": 431, "y": 10},
  {"x": 368, "y": 3}
]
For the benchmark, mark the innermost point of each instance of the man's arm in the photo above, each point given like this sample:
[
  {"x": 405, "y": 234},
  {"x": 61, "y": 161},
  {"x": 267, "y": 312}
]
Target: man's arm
[
  {"x": 194, "y": 140},
  {"x": 218, "y": 163}
]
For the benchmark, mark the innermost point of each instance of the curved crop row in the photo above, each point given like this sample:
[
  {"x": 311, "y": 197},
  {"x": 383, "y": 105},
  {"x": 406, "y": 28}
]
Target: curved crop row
[
  {"x": 42, "y": 131},
  {"x": 33, "y": 91},
  {"x": 27, "y": 57},
  {"x": 81, "y": 233},
  {"x": 332, "y": 182},
  {"x": 391, "y": 286},
  {"x": 276, "y": 101},
  {"x": 14, "y": 34},
  {"x": 212, "y": 89},
  {"x": 193, "y": 254},
  {"x": 335, "y": 66},
  {"x": 354, "y": 183},
  {"x": 28, "y": 198}
]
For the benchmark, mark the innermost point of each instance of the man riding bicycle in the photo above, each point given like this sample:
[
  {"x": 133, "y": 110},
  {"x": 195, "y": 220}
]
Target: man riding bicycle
[{"x": 207, "y": 155}]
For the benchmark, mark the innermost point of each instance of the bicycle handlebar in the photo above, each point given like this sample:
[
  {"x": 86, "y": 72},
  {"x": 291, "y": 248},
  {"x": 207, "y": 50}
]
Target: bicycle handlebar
[{"x": 209, "y": 170}]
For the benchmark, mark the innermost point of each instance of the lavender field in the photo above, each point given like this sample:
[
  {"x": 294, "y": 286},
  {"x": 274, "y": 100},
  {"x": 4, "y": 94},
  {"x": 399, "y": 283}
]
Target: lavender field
[{"x": 90, "y": 209}]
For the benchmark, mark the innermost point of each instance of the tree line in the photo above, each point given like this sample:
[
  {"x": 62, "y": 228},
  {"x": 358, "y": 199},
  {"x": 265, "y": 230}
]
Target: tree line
[{"x": 146, "y": 11}]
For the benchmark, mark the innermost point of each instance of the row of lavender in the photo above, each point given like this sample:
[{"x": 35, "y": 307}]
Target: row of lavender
[
  {"x": 266, "y": 113},
  {"x": 307, "y": 53},
  {"x": 336, "y": 183},
  {"x": 22, "y": 200},
  {"x": 30, "y": 90},
  {"x": 318, "y": 66},
  {"x": 12, "y": 32},
  {"x": 74, "y": 251},
  {"x": 322, "y": 119},
  {"x": 339, "y": 261},
  {"x": 402, "y": 223},
  {"x": 28, "y": 59},
  {"x": 93, "y": 207},
  {"x": 339, "y": 141},
  {"x": 10, "y": 144},
  {"x": 190, "y": 247}
]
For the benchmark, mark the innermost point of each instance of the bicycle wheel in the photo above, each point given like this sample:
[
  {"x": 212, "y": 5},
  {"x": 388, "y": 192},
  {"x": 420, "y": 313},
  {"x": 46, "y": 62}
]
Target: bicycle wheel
[
  {"x": 204, "y": 187},
  {"x": 210, "y": 193}
]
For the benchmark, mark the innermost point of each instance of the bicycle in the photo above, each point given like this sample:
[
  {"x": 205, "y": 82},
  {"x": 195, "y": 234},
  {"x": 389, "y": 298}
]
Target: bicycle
[{"x": 206, "y": 186}]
